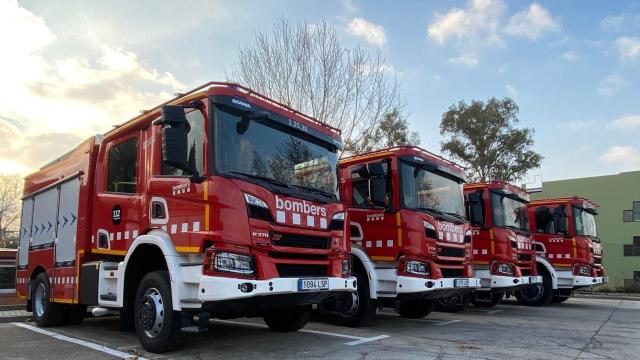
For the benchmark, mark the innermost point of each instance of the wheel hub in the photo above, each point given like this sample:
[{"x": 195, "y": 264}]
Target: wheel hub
[{"x": 151, "y": 313}]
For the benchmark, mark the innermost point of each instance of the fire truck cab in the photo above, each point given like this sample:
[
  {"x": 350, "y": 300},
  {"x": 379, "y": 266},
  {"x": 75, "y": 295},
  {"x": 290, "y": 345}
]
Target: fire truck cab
[
  {"x": 219, "y": 203},
  {"x": 503, "y": 255},
  {"x": 410, "y": 241},
  {"x": 569, "y": 252}
]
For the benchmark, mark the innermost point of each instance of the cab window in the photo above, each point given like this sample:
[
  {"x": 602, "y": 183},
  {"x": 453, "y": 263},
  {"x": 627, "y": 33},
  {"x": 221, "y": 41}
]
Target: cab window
[
  {"x": 122, "y": 167},
  {"x": 195, "y": 141}
]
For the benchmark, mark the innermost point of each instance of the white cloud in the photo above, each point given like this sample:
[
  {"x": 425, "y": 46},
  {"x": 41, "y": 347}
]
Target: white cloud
[
  {"x": 349, "y": 5},
  {"x": 626, "y": 122},
  {"x": 370, "y": 32},
  {"x": 628, "y": 48},
  {"x": 611, "y": 85},
  {"x": 532, "y": 23},
  {"x": 569, "y": 56},
  {"x": 578, "y": 124},
  {"x": 619, "y": 23},
  {"x": 627, "y": 157},
  {"x": 479, "y": 21},
  {"x": 52, "y": 104},
  {"x": 511, "y": 90},
  {"x": 469, "y": 59}
]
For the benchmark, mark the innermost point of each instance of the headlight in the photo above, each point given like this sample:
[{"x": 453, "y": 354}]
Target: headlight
[
  {"x": 583, "y": 270},
  {"x": 417, "y": 267},
  {"x": 505, "y": 269},
  {"x": 429, "y": 229},
  {"x": 252, "y": 200},
  {"x": 234, "y": 263}
]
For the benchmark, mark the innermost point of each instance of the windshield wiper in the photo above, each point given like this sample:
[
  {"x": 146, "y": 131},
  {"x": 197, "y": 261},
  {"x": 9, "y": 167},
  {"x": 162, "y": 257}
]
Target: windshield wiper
[
  {"x": 456, "y": 215},
  {"x": 263, "y": 178},
  {"x": 433, "y": 210},
  {"x": 517, "y": 228},
  {"x": 313, "y": 190}
]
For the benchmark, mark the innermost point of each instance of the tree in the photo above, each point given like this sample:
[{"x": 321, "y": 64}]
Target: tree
[
  {"x": 308, "y": 68},
  {"x": 485, "y": 138},
  {"x": 10, "y": 194},
  {"x": 392, "y": 130}
]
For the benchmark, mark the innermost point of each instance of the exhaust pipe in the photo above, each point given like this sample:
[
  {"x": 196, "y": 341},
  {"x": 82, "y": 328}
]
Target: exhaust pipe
[{"x": 100, "y": 311}]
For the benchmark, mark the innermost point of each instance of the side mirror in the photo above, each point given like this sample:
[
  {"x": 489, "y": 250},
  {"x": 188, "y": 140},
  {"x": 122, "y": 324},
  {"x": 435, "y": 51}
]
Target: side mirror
[
  {"x": 378, "y": 190},
  {"x": 475, "y": 209},
  {"x": 362, "y": 171},
  {"x": 560, "y": 219},
  {"x": 376, "y": 169},
  {"x": 174, "y": 137}
]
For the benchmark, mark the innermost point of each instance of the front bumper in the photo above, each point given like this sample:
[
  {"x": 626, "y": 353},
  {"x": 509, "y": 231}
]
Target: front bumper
[
  {"x": 217, "y": 288},
  {"x": 566, "y": 280},
  {"x": 504, "y": 283},
  {"x": 407, "y": 286}
]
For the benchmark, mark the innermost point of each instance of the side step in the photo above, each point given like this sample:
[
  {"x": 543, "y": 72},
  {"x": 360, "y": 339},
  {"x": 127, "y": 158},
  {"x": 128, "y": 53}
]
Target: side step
[{"x": 202, "y": 326}]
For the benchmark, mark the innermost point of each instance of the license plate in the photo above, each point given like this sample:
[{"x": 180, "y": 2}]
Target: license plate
[
  {"x": 461, "y": 283},
  {"x": 313, "y": 284}
]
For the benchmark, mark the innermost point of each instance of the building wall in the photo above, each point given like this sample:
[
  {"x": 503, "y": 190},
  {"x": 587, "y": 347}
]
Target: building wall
[{"x": 614, "y": 194}]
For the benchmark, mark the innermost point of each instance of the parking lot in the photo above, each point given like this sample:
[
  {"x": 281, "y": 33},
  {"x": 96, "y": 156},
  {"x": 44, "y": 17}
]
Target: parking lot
[{"x": 578, "y": 329}]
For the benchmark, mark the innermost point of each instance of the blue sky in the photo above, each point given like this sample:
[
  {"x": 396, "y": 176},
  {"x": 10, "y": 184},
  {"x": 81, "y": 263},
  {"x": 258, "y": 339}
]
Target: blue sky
[{"x": 79, "y": 67}]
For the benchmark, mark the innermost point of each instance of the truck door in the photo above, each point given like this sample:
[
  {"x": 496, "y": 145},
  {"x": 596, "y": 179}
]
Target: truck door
[
  {"x": 64, "y": 265},
  {"x": 378, "y": 226}
]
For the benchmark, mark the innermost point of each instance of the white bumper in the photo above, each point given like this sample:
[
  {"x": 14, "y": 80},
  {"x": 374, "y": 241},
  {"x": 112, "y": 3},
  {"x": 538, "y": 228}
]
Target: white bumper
[
  {"x": 409, "y": 285},
  {"x": 566, "y": 279},
  {"x": 214, "y": 288},
  {"x": 489, "y": 281}
]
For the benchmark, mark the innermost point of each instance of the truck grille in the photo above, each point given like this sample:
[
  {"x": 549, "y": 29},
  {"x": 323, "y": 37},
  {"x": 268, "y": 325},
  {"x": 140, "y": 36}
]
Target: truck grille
[
  {"x": 597, "y": 261},
  {"x": 451, "y": 252},
  {"x": 300, "y": 241},
  {"x": 452, "y": 273},
  {"x": 524, "y": 257},
  {"x": 298, "y": 270},
  {"x": 525, "y": 272},
  {"x": 286, "y": 255}
]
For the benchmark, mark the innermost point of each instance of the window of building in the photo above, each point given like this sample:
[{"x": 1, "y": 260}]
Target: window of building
[
  {"x": 633, "y": 249},
  {"x": 122, "y": 167},
  {"x": 636, "y": 211},
  {"x": 627, "y": 215},
  {"x": 195, "y": 141}
]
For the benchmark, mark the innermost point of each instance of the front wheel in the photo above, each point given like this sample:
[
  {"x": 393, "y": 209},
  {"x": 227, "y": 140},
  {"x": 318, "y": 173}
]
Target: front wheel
[
  {"x": 45, "y": 312},
  {"x": 415, "y": 309},
  {"x": 537, "y": 294},
  {"x": 487, "y": 300},
  {"x": 157, "y": 325},
  {"x": 288, "y": 319},
  {"x": 357, "y": 307},
  {"x": 453, "y": 304}
]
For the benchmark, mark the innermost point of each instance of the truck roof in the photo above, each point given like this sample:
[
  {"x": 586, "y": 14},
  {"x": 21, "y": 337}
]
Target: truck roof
[
  {"x": 498, "y": 185},
  {"x": 232, "y": 89},
  {"x": 400, "y": 151},
  {"x": 573, "y": 200}
]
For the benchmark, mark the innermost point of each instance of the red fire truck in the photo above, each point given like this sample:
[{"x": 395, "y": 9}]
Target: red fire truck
[
  {"x": 219, "y": 203},
  {"x": 410, "y": 241},
  {"x": 569, "y": 250},
  {"x": 503, "y": 255}
]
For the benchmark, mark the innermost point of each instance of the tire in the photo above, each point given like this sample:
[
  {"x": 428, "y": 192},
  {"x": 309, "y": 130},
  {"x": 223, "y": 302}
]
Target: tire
[
  {"x": 559, "y": 299},
  {"x": 537, "y": 294},
  {"x": 493, "y": 300},
  {"x": 45, "y": 312},
  {"x": 359, "y": 308},
  {"x": 416, "y": 309},
  {"x": 288, "y": 319},
  {"x": 158, "y": 327},
  {"x": 75, "y": 314},
  {"x": 454, "y": 304}
]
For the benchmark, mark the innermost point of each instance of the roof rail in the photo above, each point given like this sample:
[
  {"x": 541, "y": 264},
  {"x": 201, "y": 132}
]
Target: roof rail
[{"x": 236, "y": 86}]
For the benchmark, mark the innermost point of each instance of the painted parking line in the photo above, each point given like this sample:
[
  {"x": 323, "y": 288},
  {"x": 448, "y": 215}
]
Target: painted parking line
[
  {"x": 433, "y": 321},
  {"x": 94, "y": 346},
  {"x": 357, "y": 340},
  {"x": 484, "y": 311}
]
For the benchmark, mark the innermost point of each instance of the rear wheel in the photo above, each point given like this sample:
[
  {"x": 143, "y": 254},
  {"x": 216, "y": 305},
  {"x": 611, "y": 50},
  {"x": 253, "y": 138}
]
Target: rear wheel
[
  {"x": 288, "y": 319},
  {"x": 416, "y": 309},
  {"x": 45, "y": 312},
  {"x": 536, "y": 294},
  {"x": 487, "y": 300},
  {"x": 356, "y": 308},
  {"x": 453, "y": 304},
  {"x": 157, "y": 325}
]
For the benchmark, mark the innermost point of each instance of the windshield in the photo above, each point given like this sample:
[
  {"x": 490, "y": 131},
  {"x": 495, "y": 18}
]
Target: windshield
[
  {"x": 585, "y": 222},
  {"x": 426, "y": 189},
  {"x": 508, "y": 212},
  {"x": 258, "y": 147}
]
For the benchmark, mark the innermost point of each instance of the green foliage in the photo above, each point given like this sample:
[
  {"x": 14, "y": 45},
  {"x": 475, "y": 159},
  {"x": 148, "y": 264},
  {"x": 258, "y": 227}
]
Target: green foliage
[
  {"x": 392, "y": 130},
  {"x": 485, "y": 138}
]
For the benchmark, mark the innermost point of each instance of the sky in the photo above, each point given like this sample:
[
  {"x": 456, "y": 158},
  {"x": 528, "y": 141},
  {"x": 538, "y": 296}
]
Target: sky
[{"x": 71, "y": 69}]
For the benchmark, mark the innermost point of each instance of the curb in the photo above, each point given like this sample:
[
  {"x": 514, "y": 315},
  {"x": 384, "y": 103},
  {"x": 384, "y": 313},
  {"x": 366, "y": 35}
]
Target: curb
[
  {"x": 13, "y": 307},
  {"x": 607, "y": 296}
]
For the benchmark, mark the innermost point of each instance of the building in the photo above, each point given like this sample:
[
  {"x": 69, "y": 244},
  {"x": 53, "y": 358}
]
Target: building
[{"x": 618, "y": 220}]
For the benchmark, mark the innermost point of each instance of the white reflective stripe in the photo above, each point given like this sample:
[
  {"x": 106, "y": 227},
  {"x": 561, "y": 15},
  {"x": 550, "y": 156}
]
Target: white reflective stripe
[
  {"x": 296, "y": 219},
  {"x": 118, "y": 235},
  {"x": 196, "y": 226},
  {"x": 368, "y": 244},
  {"x": 475, "y": 251},
  {"x": 310, "y": 220},
  {"x": 126, "y": 235},
  {"x": 164, "y": 228},
  {"x": 378, "y": 243},
  {"x": 389, "y": 243},
  {"x": 323, "y": 223},
  {"x": 280, "y": 217},
  {"x": 174, "y": 228},
  {"x": 135, "y": 234},
  {"x": 184, "y": 227}
]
